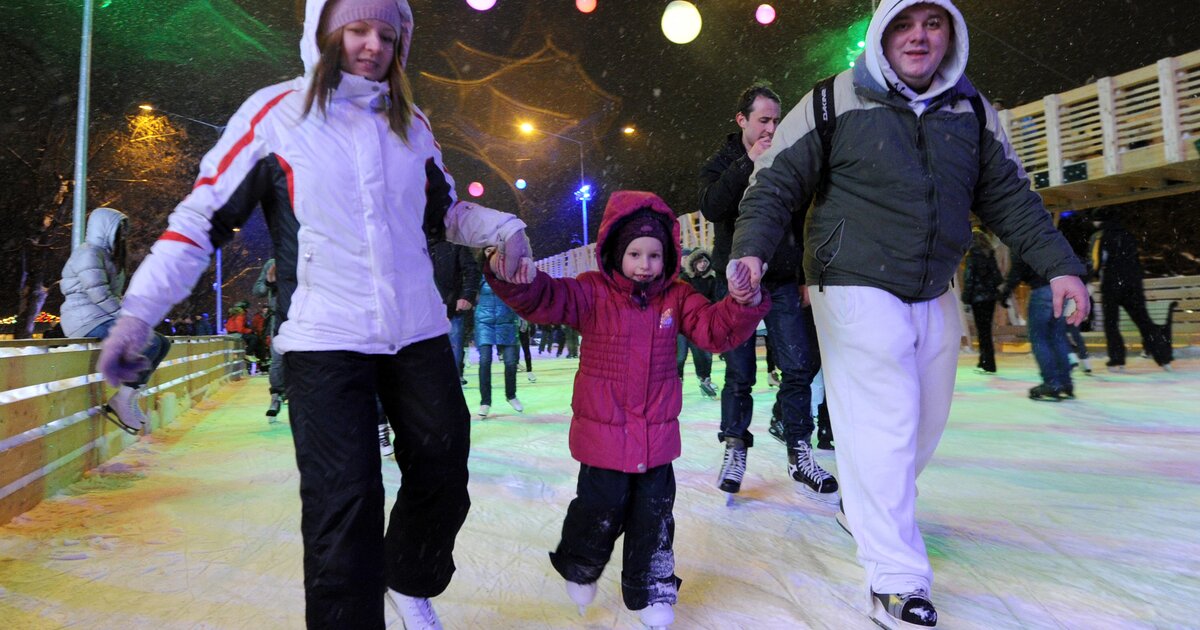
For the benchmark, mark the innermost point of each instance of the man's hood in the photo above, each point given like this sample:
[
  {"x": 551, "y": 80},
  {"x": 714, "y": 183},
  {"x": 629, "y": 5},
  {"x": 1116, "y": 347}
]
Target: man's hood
[
  {"x": 310, "y": 51},
  {"x": 953, "y": 65},
  {"x": 102, "y": 226}
]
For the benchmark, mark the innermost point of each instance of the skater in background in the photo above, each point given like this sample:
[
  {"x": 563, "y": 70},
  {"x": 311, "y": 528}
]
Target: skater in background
[
  {"x": 698, "y": 272},
  {"x": 1047, "y": 334},
  {"x": 981, "y": 289},
  {"x": 894, "y": 154},
  {"x": 625, "y": 422},
  {"x": 723, "y": 179},
  {"x": 92, "y": 283},
  {"x": 268, "y": 287},
  {"x": 523, "y": 330},
  {"x": 352, "y": 184},
  {"x": 495, "y": 327},
  {"x": 1115, "y": 261}
]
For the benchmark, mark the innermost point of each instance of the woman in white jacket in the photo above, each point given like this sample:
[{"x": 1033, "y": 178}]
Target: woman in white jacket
[{"x": 351, "y": 183}]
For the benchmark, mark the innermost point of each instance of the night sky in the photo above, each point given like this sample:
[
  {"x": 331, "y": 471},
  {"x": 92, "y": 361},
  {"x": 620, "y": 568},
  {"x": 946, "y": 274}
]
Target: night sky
[{"x": 204, "y": 57}]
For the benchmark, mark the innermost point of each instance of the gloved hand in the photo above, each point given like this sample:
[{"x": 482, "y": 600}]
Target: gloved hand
[
  {"x": 741, "y": 290},
  {"x": 121, "y": 358},
  {"x": 511, "y": 253}
]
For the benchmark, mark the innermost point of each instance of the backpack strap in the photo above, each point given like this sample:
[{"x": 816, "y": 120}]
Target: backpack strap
[{"x": 825, "y": 117}]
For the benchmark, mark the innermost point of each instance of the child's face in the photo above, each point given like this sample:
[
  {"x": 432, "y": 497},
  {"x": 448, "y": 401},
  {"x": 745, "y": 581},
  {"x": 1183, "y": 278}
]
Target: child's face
[{"x": 643, "y": 259}]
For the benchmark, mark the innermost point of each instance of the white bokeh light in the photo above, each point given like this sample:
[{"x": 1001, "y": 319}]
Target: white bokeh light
[
  {"x": 481, "y": 5},
  {"x": 681, "y": 22},
  {"x": 765, "y": 14}
]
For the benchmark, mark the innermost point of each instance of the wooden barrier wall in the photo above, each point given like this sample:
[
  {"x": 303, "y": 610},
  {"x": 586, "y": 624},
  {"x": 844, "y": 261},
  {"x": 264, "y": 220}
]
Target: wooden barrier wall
[{"x": 51, "y": 426}]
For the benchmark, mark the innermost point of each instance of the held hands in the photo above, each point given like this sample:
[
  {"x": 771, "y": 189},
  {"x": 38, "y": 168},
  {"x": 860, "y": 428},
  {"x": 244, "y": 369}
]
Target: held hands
[
  {"x": 741, "y": 289},
  {"x": 525, "y": 273},
  {"x": 513, "y": 259},
  {"x": 1070, "y": 298},
  {"x": 121, "y": 358}
]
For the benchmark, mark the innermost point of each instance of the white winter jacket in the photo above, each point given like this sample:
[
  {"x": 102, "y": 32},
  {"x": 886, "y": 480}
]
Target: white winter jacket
[{"x": 348, "y": 204}]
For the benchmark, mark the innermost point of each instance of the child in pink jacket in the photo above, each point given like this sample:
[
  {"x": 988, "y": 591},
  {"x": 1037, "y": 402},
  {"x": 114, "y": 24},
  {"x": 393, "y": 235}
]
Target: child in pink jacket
[{"x": 625, "y": 426}]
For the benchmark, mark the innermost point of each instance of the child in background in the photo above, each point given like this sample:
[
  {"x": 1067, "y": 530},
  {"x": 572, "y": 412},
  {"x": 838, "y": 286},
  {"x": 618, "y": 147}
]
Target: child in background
[{"x": 627, "y": 398}]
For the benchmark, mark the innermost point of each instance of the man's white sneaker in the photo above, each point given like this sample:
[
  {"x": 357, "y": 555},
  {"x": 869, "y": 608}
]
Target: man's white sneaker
[
  {"x": 582, "y": 594},
  {"x": 484, "y": 410},
  {"x": 656, "y": 616},
  {"x": 516, "y": 405},
  {"x": 126, "y": 413},
  {"x": 416, "y": 613}
]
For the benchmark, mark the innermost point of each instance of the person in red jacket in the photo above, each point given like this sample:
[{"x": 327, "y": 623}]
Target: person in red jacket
[{"x": 625, "y": 425}]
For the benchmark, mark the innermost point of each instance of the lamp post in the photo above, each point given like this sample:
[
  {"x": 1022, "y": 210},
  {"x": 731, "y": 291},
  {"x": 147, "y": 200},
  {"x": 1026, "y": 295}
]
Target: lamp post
[
  {"x": 218, "y": 319},
  {"x": 585, "y": 191}
]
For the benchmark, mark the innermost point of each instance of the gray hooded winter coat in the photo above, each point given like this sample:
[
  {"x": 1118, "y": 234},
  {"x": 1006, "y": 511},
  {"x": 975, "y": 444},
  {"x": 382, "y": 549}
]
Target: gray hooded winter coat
[
  {"x": 91, "y": 282},
  {"x": 892, "y": 210}
]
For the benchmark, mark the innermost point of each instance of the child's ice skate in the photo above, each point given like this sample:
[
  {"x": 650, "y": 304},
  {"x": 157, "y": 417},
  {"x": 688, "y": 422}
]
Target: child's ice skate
[
  {"x": 123, "y": 410},
  {"x": 658, "y": 616},
  {"x": 582, "y": 594}
]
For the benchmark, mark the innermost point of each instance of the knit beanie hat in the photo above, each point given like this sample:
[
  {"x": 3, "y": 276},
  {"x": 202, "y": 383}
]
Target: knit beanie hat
[
  {"x": 343, "y": 12},
  {"x": 643, "y": 222}
]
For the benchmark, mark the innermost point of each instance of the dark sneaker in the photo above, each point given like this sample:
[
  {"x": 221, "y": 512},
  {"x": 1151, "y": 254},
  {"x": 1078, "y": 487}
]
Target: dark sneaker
[
  {"x": 1046, "y": 393},
  {"x": 814, "y": 480},
  {"x": 733, "y": 468},
  {"x": 905, "y": 610}
]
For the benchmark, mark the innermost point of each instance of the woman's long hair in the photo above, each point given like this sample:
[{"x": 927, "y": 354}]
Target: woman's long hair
[{"x": 328, "y": 75}]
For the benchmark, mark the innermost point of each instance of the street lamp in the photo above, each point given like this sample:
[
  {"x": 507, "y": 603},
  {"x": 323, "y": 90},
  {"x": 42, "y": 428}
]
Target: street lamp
[
  {"x": 585, "y": 191},
  {"x": 218, "y": 317}
]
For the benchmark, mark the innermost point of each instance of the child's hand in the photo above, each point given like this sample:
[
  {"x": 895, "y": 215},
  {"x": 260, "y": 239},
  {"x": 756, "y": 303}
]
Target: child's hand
[{"x": 525, "y": 272}]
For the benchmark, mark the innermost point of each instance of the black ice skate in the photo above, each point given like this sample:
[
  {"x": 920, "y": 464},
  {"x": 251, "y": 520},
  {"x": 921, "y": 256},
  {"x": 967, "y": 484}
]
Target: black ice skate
[
  {"x": 273, "y": 409},
  {"x": 905, "y": 610},
  {"x": 1047, "y": 393},
  {"x": 813, "y": 479},
  {"x": 776, "y": 428},
  {"x": 707, "y": 388},
  {"x": 733, "y": 468},
  {"x": 824, "y": 428}
]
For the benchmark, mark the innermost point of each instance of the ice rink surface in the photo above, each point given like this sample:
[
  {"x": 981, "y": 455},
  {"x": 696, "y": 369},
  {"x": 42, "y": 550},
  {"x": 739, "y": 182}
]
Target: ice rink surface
[{"x": 1080, "y": 514}]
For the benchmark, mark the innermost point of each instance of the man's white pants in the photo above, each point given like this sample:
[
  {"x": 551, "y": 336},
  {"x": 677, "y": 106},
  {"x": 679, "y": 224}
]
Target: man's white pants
[{"x": 889, "y": 377}]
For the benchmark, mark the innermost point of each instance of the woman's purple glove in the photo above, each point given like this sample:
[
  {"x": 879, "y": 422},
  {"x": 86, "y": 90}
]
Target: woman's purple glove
[{"x": 121, "y": 358}]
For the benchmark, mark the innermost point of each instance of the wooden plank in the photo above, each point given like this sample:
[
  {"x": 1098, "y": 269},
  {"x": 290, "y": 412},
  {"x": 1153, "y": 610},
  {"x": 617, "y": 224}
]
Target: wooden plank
[
  {"x": 33, "y": 455},
  {"x": 31, "y": 413},
  {"x": 32, "y": 369}
]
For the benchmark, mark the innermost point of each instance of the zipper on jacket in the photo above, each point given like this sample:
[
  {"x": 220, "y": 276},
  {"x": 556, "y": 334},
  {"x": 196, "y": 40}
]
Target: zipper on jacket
[{"x": 930, "y": 196}]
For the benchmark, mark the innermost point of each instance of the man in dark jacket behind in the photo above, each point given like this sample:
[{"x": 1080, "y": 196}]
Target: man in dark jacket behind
[
  {"x": 457, "y": 276},
  {"x": 723, "y": 179},
  {"x": 892, "y": 190}
]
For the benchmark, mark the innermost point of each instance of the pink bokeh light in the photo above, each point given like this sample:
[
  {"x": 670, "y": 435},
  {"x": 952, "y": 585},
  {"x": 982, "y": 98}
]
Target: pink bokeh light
[{"x": 765, "y": 14}]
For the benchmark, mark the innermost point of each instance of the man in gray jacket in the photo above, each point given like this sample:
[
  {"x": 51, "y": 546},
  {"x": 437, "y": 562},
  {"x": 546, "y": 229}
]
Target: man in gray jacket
[
  {"x": 93, "y": 281},
  {"x": 894, "y": 183}
]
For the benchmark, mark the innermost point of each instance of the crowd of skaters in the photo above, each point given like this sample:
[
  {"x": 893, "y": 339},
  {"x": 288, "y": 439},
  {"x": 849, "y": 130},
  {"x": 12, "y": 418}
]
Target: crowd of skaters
[{"x": 357, "y": 327}]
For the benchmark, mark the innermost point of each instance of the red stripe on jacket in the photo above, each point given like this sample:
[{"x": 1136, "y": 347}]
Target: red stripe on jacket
[
  {"x": 241, "y": 143},
  {"x": 176, "y": 236},
  {"x": 287, "y": 170}
]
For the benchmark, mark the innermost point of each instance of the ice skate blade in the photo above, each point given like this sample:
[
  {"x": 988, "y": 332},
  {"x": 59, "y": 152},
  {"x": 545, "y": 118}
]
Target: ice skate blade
[
  {"x": 884, "y": 620},
  {"x": 729, "y": 498},
  {"x": 582, "y": 610},
  {"x": 828, "y": 498},
  {"x": 112, "y": 416},
  {"x": 844, "y": 523}
]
